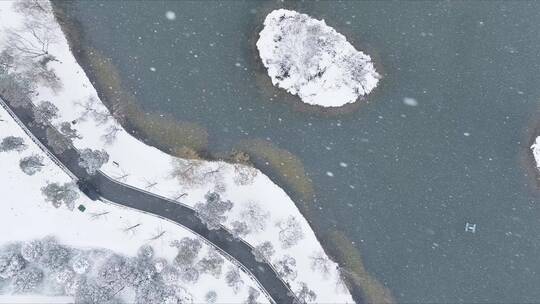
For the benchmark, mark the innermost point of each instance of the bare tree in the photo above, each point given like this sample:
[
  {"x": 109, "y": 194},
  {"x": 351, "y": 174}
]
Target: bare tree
[
  {"x": 321, "y": 263},
  {"x": 233, "y": 279},
  {"x": 244, "y": 175},
  {"x": 110, "y": 134},
  {"x": 253, "y": 295},
  {"x": 254, "y": 216},
  {"x": 90, "y": 109},
  {"x": 304, "y": 294},
  {"x": 31, "y": 164},
  {"x": 290, "y": 232},
  {"x": 188, "y": 250},
  {"x": 189, "y": 173},
  {"x": 57, "y": 141},
  {"x": 210, "y": 297}
]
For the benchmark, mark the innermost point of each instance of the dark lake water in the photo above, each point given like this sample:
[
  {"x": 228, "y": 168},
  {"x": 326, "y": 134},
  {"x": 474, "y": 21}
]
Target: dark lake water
[{"x": 405, "y": 179}]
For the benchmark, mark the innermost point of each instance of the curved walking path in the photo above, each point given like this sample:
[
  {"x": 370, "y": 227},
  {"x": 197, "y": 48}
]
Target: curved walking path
[{"x": 102, "y": 186}]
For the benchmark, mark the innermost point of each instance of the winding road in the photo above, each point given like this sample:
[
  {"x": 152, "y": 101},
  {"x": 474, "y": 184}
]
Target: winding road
[{"x": 101, "y": 186}]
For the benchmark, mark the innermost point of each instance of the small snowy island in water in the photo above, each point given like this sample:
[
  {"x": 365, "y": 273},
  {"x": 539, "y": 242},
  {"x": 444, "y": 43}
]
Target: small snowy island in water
[{"x": 310, "y": 59}]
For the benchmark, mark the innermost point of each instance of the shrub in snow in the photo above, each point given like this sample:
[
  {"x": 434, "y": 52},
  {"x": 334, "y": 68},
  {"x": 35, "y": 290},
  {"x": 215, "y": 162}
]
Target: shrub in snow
[
  {"x": 44, "y": 112},
  {"x": 263, "y": 251},
  {"x": 211, "y": 264},
  {"x": 57, "y": 141},
  {"x": 244, "y": 175},
  {"x": 31, "y": 164},
  {"x": 212, "y": 212},
  {"x": 92, "y": 160},
  {"x": 188, "y": 250},
  {"x": 12, "y": 143},
  {"x": 59, "y": 194},
  {"x": 290, "y": 232},
  {"x": 233, "y": 279},
  {"x": 286, "y": 268},
  {"x": 310, "y": 59},
  {"x": 304, "y": 294},
  {"x": 89, "y": 291},
  {"x": 27, "y": 280},
  {"x": 210, "y": 297},
  {"x": 254, "y": 216}
]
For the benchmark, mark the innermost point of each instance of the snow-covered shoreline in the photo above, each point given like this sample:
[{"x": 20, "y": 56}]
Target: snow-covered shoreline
[
  {"x": 262, "y": 213},
  {"x": 310, "y": 59}
]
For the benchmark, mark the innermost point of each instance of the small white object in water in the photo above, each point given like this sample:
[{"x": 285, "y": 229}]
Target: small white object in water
[
  {"x": 343, "y": 165},
  {"x": 153, "y": 69},
  {"x": 330, "y": 174},
  {"x": 470, "y": 227},
  {"x": 410, "y": 101},
  {"x": 467, "y": 134},
  {"x": 170, "y": 15}
]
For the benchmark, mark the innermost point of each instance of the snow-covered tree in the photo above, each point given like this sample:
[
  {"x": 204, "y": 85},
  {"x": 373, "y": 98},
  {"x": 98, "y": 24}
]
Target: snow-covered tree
[
  {"x": 145, "y": 252},
  {"x": 11, "y": 261},
  {"x": 17, "y": 89},
  {"x": 188, "y": 250},
  {"x": 263, "y": 252},
  {"x": 286, "y": 268},
  {"x": 211, "y": 297},
  {"x": 55, "y": 256},
  {"x": 254, "y": 216},
  {"x": 189, "y": 172},
  {"x": 12, "y": 143},
  {"x": 57, "y": 141},
  {"x": 27, "y": 280},
  {"x": 212, "y": 211},
  {"x": 32, "y": 250},
  {"x": 189, "y": 274},
  {"x": 31, "y": 164},
  {"x": 44, "y": 112},
  {"x": 211, "y": 263},
  {"x": 290, "y": 232},
  {"x": 93, "y": 160},
  {"x": 58, "y": 194},
  {"x": 81, "y": 263},
  {"x": 253, "y": 295},
  {"x": 233, "y": 279},
  {"x": 67, "y": 130},
  {"x": 304, "y": 294},
  {"x": 89, "y": 291},
  {"x": 239, "y": 229}
]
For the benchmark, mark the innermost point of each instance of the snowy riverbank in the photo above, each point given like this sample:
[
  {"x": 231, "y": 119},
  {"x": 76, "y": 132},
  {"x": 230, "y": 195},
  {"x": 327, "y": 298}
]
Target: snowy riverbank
[
  {"x": 260, "y": 212},
  {"x": 310, "y": 59}
]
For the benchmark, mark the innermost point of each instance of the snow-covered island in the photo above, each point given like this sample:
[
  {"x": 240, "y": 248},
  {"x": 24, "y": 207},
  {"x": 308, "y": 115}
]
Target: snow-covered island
[
  {"x": 536, "y": 152},
  {"x": 40, "y": 199},
  {"x": 310, "y": 59}
]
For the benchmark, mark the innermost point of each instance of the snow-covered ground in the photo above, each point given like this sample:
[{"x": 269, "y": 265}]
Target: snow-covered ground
[
  {"x": 310, "y": 59},
  {"x": 536, "y": 151},
  {"x": 258, "y": 203},
  {"x": 25, "y": 216}
]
